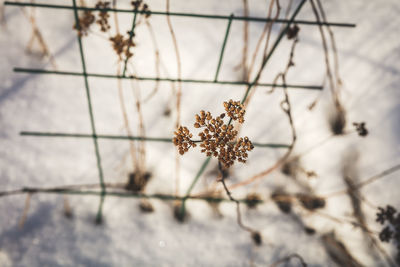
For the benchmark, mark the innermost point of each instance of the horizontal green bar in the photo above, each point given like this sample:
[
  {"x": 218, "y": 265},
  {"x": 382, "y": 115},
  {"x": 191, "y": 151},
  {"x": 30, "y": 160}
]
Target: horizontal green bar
[
  {"x": 96, "y": 75},
  {"x": 127, "y": 194},
  {"x": 270, "y": 145},
  {"x": 207, "y": 16},
  {"x": 98, "y": 136},
  {"x": 119, "y": 137}
]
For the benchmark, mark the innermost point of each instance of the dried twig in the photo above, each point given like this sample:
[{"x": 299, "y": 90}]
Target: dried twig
[
  {"x": 286, "y": 107},
  {"x": 255, "y": 235},
  {"x": 37, "y": 35},
  {"x": 245, "y": 40},
  {"x": 339, "y": 120},
  {"x": 157, "y": 60},
  {"x": 367, "y": 181},
  {"x": 132, "y": 147},
  {"x": 22, "y": 221},
  {"x": 178, "y": 95}
]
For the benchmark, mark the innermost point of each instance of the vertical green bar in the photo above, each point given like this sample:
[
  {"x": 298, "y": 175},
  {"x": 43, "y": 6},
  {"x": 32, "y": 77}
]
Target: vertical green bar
[
  {"x": 223, "y": 47},
  {"x": 89, "y": 101},
  {"x": 199, "y": 173}
]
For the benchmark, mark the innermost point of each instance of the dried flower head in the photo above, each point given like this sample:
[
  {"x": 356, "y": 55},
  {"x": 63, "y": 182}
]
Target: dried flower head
[
  {"x": 235, "y": 110},
  {"x": 103, "y": 15},
  {"x": 122, "y": 46},
  {"x": 183, "y": 140},
  {"x": 84, "y": 23},
  {"x": 217, "y": 139},
  {"x": 142, "y": 7}
]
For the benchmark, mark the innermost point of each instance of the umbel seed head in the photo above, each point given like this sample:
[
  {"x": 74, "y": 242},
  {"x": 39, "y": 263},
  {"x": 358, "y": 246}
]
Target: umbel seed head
[{"x": 217, "y": 139}]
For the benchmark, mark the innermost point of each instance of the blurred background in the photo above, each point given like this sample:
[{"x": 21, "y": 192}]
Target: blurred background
[{"x": 318, "y": 196}]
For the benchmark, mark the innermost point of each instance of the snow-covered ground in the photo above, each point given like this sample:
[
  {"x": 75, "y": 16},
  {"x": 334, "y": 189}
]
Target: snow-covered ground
[{"x": 369, "y": 57}]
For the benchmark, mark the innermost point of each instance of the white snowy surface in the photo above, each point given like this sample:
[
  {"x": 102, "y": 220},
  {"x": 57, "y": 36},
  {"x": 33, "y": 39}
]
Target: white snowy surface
[{"x": 369, "y": 57}]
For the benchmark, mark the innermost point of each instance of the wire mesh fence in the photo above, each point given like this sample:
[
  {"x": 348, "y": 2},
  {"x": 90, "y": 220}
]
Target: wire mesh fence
[{"x": 95, "y": 136}]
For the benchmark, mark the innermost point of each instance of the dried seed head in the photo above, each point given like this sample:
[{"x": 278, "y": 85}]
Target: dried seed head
[
  {"x": 102, "y": 21},
  {"x": 217, "y": 138},
  {"x": 84, "y": 23}
]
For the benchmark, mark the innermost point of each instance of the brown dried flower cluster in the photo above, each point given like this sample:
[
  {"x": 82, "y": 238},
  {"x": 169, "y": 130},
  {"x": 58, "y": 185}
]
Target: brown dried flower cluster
[
  {"x": 122, "y": 46},
  {"x": 235, "y": 110},
  {"x": 182, "y": 139},
  {"x": 142, "y": 7},
  {"x": 84, "y": 23},
  {"x": 217, "y": 138},
  {"x": 88, "y": 18},
  {"x": 103, "y": 16}
]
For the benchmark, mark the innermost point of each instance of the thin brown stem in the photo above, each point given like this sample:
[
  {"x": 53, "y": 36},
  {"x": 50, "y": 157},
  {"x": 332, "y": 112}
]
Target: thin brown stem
[
  {"x": 229, "y": 194},
  {"x": 333, "y": 43},
  {"x": 267, "y": 30},
  {"x": 37, "y": 35},
  {"x": 22, "y": 221},
  {"x": 141, "y": 129},
  {"x": 332, "y": 85},
  {"x": 157, "y": 60},
  {"x": 245, "y": 40},
  {"x": 178, "y": 96},
  {"x": 286, "y": 106},
  {"x": 116, "y": 17},
  {"x": 128, "y": 130},
  {"x": 366, "y": 181}
]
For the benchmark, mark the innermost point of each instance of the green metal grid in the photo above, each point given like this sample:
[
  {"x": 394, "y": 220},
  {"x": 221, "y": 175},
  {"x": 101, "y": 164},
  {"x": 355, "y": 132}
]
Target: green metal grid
[{"x": 94, "y": 136}]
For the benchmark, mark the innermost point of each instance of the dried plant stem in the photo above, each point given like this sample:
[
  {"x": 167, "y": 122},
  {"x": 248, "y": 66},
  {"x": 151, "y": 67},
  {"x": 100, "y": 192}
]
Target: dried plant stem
[
  {"x": 136, "y": 163},
  {"x": 267, "y": 29},
  {"x": 334, "y": 86},
  {"x": 356, "y": 201},
  {"x": 36, "y": 34},
  {"x": 116, "y": 17},
  {"x": 286, "y": 107},
  {"x": 364, "y": 228},
  {"x": 2, "y": 16},
  {"x": 371, "y": 234},
  {"x": 22, "y": 221},
  {"x": 179, "y": 68},
  {"x": 157, "y": 60},
  {"x": 287, "y": 11},
  {"x": 178, "y": 96},
  {"x": 245, "y": 40},
  {"x": 142, "y": 132},
  {"x": 229, "y": 194},
  {"x": 128, "y": 130},
  {"x": 333, "y": 44},
  {"x": 366, "y": 181}
]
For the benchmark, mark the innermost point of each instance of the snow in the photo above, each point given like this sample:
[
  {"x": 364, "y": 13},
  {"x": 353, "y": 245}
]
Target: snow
[{"x": 369, "y": 57}]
